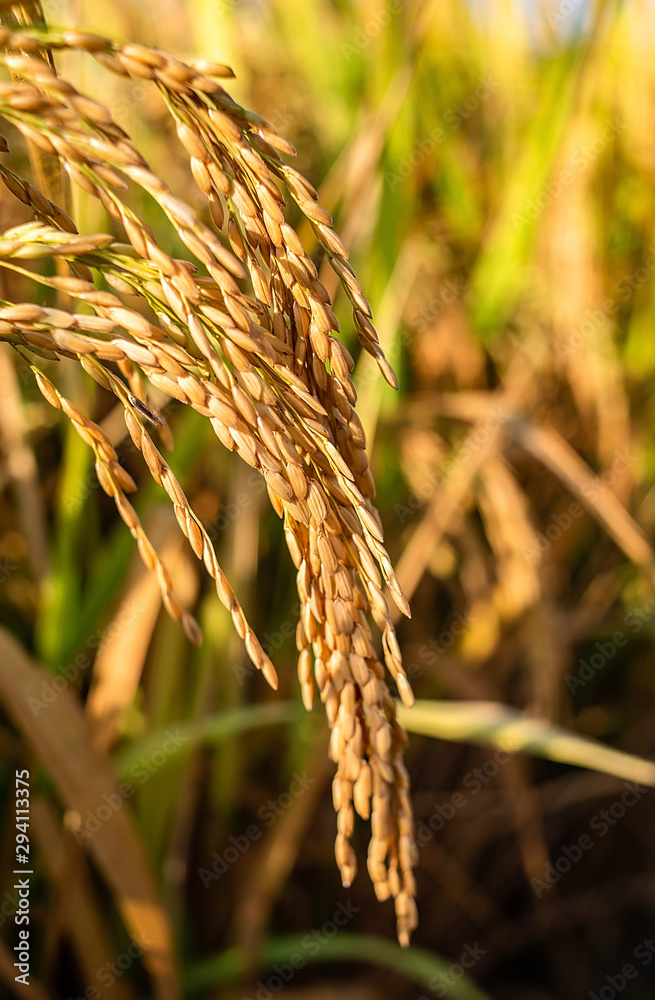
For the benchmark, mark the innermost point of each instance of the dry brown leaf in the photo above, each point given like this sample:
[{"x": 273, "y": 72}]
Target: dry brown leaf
[
  {"x": 121, "y": 657},
  {"x": 59, "y": 736},
  {"x": 78, "y": 909}
]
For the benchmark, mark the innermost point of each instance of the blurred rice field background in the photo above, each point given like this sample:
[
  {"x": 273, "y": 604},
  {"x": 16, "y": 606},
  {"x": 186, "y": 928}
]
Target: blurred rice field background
[{"x": 492, "y": 168}]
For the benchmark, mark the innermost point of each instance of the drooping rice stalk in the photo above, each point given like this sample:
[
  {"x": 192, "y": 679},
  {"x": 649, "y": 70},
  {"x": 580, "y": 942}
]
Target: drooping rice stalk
[{"x": 252, "y": 346}]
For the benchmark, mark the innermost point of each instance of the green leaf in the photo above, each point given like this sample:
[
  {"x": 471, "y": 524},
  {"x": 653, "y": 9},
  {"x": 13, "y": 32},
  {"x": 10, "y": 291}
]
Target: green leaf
[
  {"x": 417, "y": 965},
  {"x": 492, "y": 724},
  {"x": 211, "y": 729}
]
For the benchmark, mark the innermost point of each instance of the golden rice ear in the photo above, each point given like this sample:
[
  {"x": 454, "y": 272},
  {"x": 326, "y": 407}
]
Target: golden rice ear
[{"x": 252, "y": 346}]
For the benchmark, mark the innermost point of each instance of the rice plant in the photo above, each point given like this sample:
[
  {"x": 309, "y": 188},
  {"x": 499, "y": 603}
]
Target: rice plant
[
  {"x": 168, "y": 277},
  {"x": 263, "y": 366}
]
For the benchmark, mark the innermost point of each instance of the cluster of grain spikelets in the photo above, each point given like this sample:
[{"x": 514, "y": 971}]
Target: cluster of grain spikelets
[{"x": 266, "y": 368}]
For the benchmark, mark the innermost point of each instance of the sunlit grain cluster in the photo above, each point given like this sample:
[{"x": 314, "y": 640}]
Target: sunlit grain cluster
[{"x": 247, "y": 337}]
